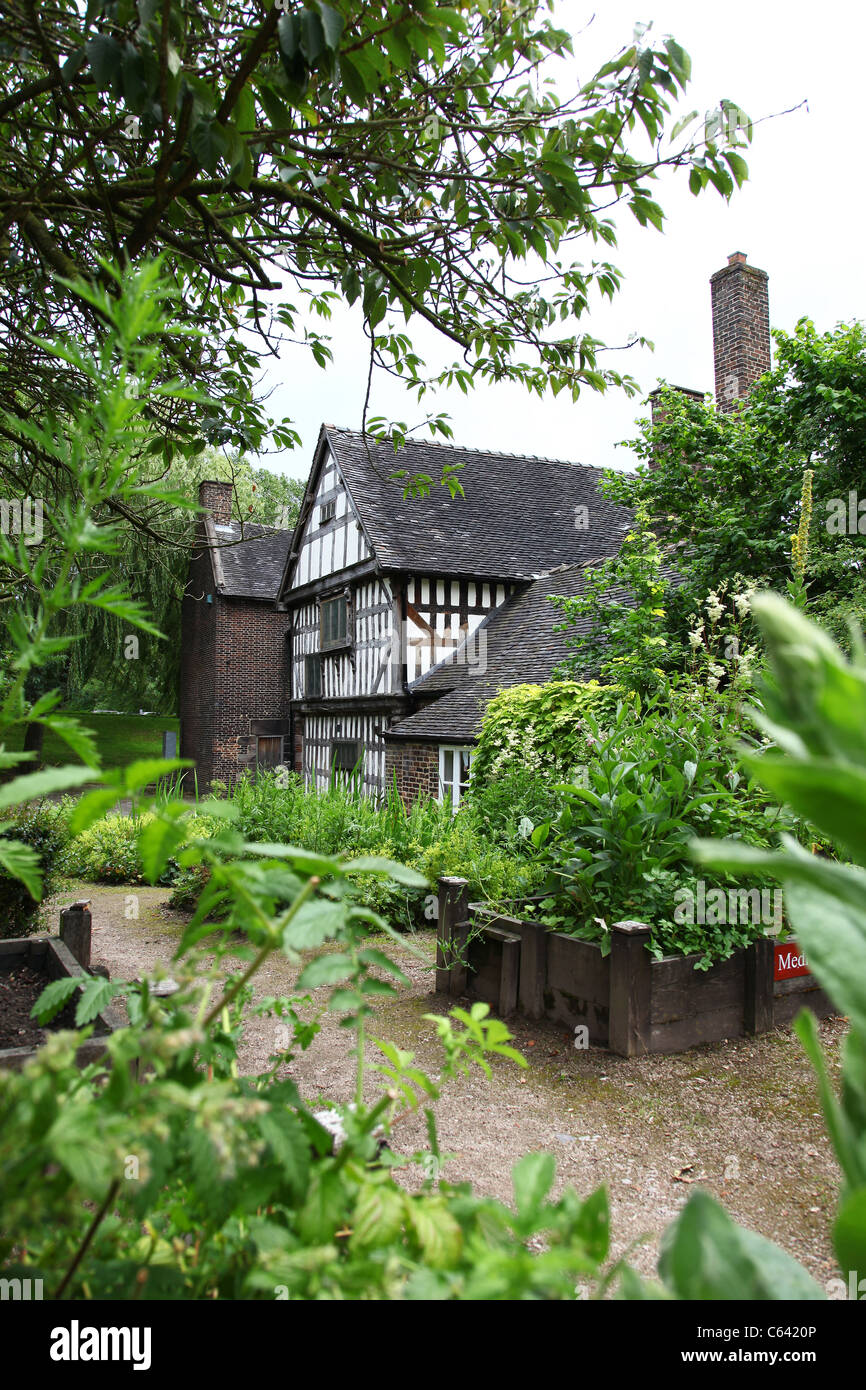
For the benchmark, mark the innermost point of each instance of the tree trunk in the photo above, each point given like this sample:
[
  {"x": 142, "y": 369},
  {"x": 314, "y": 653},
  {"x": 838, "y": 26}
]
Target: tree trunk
[{"x": 34, "y": 737}]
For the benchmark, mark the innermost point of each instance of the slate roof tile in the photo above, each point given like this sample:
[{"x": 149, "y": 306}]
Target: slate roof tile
[
  {"x": 252, "y": 564},
  {"x": 517, "y": 519}
]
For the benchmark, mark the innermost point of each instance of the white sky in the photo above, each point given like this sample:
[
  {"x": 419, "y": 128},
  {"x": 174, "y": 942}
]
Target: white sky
[{"x": 799, "y": 217}]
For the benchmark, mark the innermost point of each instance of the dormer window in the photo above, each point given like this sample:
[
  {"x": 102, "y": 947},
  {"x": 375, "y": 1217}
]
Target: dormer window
[{"x": 327, "y": 512}]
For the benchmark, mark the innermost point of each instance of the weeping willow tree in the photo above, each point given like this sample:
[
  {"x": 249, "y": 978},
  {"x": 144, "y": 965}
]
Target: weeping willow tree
[{"x": 111, "y": 665}]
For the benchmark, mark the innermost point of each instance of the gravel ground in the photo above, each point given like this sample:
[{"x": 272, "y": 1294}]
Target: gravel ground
[{"x": 741, "y": 1118}]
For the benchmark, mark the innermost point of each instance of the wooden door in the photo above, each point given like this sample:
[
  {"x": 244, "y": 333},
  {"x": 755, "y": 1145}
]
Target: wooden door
[{"x": 270, "y": 751}]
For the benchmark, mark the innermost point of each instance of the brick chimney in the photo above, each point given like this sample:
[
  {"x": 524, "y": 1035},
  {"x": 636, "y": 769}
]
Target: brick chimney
[
  {"x": 216, "y": 498},
  {"x": 741, "y": 328}
]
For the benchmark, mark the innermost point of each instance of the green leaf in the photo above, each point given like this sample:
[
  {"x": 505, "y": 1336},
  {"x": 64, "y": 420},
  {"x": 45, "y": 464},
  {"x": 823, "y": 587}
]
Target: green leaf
[
  {"x": 288, "y": 35},
  {"x": 825, "y": 791},
  {"x": 844, "y": 1141},
  {"x": 22, "y": 862},
  {"x": 104, "y": 55},
  {"x": 332, "y": 23},
  {"x": 53, "y": 997},
  {"x": 96, "y": 995},
  {"x": 593, "y": 1225},
  {"x": 157, "y": 841},
  {"x": 290, "y": 1147},
  {"x": 323, "y": 1212},
  {"x": 532, "y": 1178},
  {"x": 276, "y": 110},
  {"x": 79, "y": 739},
  {"x": 849, "y": 1232},
  {"x": 138, "y": 775},
  {"x": 314, "y": 924},
  {"x": 372, "y": 956},
  {"x": 436, "y": 1230},
  {"x": 705, "y": 1255},
  {"x": 208, "y": 143},
  {"x": 375, "y": 864},
  {"x": 302, "y": 859},
  {"x": 312, "y": 36},
  {"x": 134, "y": 80},
  {"x": 34, "y": 785},
  {"x": 326, "y": 970},
  {"x": 92, "y": 806},
  {"x": 354, "y": 82},
  {"x": 378, "y": 1216}
]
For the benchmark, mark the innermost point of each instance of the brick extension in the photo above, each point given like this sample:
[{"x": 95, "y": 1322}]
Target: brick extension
[
  {"x": 234, "y": 682},
  {"x": 416, "y": 767}
]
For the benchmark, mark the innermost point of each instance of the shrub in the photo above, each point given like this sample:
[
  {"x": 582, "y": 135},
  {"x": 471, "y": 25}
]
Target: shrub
[
  {"x": 540, "y": 729},
  {"x": 107, "y": 852},
  {"x": 44, "y": 827},
  {"x": 619, "y": 846}
]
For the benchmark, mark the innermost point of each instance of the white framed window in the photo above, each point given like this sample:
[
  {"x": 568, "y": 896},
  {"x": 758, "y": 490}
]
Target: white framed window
[{"x": 454, "y": 764}]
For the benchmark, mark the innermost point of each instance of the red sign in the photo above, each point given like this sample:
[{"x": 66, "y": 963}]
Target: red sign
[{"x": 789, "y": 961}]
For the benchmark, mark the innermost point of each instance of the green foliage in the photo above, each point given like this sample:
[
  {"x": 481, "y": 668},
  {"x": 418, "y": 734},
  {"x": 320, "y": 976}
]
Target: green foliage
[
  {"x": 814, "y": 708},
  {"x": 481, "y": 843},
  {"x": 622, "y": 606},
  {"x": 539, "y": 729},
  {"x": 618, "y": 848},
  {"x": 407, "y": 161},
  {"x": 43, "y": 829},
  {"x": 725, "y": 486},
  {"x": 181, "y": 1179}
]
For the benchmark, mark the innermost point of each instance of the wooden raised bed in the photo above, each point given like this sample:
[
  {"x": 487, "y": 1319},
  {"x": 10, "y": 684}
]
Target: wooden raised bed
[
  {"x": 51, "y": 957},
  {"x": 627, "y": 1001}
]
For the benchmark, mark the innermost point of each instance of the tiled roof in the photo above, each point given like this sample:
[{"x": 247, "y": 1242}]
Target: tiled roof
[
  {"x": 252, "y": 566},
  {"x": 518, "y": 518}
]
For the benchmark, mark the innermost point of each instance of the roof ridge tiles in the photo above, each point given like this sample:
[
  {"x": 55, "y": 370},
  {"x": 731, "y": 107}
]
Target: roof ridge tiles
[{"x": 466, "y": 449}]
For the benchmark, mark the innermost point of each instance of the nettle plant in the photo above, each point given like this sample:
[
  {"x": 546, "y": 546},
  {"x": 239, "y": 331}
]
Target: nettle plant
[{"x": 159, "y": 1171}]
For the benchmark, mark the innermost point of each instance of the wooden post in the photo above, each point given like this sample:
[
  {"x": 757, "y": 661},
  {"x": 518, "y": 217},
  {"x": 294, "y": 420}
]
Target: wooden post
[
  {"x": 510, "y": 974},
  {"x": 453, "y": 909},
  {"x": 75, "y": 931},
  {"x": 758, "y": 986},
  {"x": 630, "y": 989},
  {"x": 533, "y": 968}
]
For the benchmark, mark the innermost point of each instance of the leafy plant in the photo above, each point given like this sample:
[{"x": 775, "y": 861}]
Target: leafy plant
[
  {"x": 539, "y": 730},
  {"x": 619, "y": 847},
  {"x": 814, "y": 708}
]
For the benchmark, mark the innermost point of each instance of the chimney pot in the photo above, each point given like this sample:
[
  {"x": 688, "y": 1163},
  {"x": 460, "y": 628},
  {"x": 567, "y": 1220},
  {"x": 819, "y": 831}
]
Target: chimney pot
[{"x": 738, "y": 258}]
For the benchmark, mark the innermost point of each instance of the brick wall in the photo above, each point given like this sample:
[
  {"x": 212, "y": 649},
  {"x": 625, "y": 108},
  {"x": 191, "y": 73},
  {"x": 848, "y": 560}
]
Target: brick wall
[
  {"x": 741, "y": 328},
  {"x": 416, "y": 767},
  {"x": 234, "y": 672},
  {"x": 217, "y": 498}
]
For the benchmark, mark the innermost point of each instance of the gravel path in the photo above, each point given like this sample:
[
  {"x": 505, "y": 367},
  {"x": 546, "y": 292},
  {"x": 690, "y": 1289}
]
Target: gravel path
[{"x": 741, "y": 1118}]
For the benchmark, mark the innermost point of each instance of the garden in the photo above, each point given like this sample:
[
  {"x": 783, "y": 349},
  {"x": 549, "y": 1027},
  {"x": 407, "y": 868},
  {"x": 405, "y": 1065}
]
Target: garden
[
  {"x": 310, "y": 1046},
  {"x": 589, "y": 803}
]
